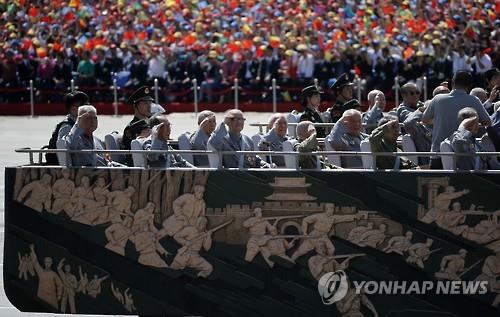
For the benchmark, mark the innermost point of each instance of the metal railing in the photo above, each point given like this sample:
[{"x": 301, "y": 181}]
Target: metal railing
[
  {"x": 235, "y": 87},
  {"x": 220, "y": 154}
]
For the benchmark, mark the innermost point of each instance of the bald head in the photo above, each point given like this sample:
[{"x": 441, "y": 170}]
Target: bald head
[
  {"x": 480, "y": 93},
  {"x": 305, "y": 129},
  {"x": 440, "y": 90},
  {"x": 371, "y": 96},
  {"x": 235, "y": 121}
]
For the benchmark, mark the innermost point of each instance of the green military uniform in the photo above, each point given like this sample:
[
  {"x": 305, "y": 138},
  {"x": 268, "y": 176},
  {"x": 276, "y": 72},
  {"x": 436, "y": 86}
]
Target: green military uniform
[
  {"x": 309, "y": 161},
  {"x": 379, "y": 143}
]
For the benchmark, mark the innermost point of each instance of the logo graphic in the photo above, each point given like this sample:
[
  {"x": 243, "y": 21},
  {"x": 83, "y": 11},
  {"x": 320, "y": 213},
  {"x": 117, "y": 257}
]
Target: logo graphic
[{"x": 333, "y": 287}]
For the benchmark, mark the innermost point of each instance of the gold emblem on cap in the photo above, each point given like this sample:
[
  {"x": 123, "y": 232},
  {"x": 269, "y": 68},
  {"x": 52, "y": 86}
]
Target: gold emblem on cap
[{"x": 146, "y": 90}]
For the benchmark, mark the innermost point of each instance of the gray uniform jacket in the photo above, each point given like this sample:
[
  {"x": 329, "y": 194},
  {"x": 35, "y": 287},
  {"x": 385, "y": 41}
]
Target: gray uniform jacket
[
  {"x": 340, "y": 140},
  {"x": 76, "y": 140},
  {"x": 420, "y": 133},
  {"x": 272, "y": 142},
  {"x": 199, "y": 141},
  {"x": 160, "y": 160},
  {"x": 462, "y": 141},
  {"x": 403, "y": 111},
  {"x": 371, "y": 118},
  {"x": 221, "y": 140}
]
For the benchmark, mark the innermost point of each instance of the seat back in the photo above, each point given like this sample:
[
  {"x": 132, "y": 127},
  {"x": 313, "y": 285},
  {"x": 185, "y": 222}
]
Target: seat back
[
  {"x": 487, "y": 144},
  {"x": 332, "y": 158},
  {"x": 447, "y": 160},
  {"x": 409, "y": 146},
  {"x": 256, "y": 140},
  {"x": 63, "y": 158},
  {"x": 184, "y": 144},
  {"x": 291, "y": 161},
  {"x": 213, "y": 159},
  {"x": 292, "y": 118},
  {"x": 113, "y": 141},
  {"x": 367, "y": 160},
  {"x": 138, "y": 158}
]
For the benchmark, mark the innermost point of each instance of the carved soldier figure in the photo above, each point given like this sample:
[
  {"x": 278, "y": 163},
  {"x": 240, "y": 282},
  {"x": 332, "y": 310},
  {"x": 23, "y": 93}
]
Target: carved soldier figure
[
  {"x": 356, "y": 232},
  {"x": 276, "y": 246},
  {"x": 148, "y": 246},
  {"x": 450, "y": 220},
  {"x": 442, "y": 204},
  {"x": 322, "y": 263},
  {"x": 258, "y": 227},
  {"x": 350, "y": 305},
  {"x": 491, "y": 272},
  {"x": 322, "y": 224},
  {"x": 118, "y": 233},
  {"x": 94, "y": 286},
  {"x": 145, "y": 214},
  {"x": 50, "y": 286},
  {"x": 419, "y": 252},
  {"x": 373, "y": 238},
  {"x": 192, "y": 205},
  {"x": 25, "y": 266},
  {"x": 399, "y": 244},
  {"x": 120, "y": 202},
  {"x": 117, "y": 293},
  {"x": 82, "y": 196},
  {"x": 70, "y": 285},
  {"x": 62, "y": 190},
  {"x": 193, "y": 239},
  {"x": 83, "y": 282},
  {"x": 129, "y": 301},
  {"x": 486, "y": 230},
  {"x": 40, "y": 194},
  {"x": 100, "y": 192},
  {"x": 451, "y": 265}
]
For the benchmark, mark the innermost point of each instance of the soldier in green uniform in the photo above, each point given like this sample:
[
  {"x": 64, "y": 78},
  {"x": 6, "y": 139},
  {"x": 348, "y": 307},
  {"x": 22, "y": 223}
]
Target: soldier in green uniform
[
  {"x": 342, "y": 90},
  {"x": 310, "y": 100},
  {"x": 141, "y": 101}
]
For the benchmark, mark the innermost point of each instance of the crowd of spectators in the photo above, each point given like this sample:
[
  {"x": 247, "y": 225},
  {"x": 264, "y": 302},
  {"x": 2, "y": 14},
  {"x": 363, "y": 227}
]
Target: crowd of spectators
[{"x": 136, "y": 42}]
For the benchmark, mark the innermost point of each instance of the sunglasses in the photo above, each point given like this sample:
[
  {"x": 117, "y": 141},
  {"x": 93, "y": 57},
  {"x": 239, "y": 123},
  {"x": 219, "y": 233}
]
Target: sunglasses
[
  {"x": 414, "y": 93},
  {"x": 238, "y": 119}
]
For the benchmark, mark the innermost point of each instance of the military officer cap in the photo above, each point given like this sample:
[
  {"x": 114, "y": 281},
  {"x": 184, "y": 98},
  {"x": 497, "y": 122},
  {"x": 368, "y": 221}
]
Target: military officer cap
[
  {"x": 490, "y": 73},
  {"x": 342, "y": 81},
  {"x": 75, "y": 98},
  {"x": 309, "y": 91},
  {"x": 141, "y": 94},
  {"x": 138, "y": 126},
  {"x": 351, "y": 104}
]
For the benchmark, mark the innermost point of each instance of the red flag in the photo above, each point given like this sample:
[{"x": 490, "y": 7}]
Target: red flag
[
  {"x": 357, "y": 71},
  {"x": 70, "y": 16},
  {"x": 451, "y": 24},
  {"x": 33, "y": 12}
]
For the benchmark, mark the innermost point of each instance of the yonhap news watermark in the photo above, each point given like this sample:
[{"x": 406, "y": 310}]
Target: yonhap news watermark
[{"x": 334, "y": 286}]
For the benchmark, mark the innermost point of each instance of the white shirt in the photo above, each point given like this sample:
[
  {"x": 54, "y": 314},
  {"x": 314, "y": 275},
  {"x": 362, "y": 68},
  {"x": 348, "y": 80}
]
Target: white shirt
[
  {"x": 157, "y": 67},
  {"x": 485, "y": 60},
  {"x": 305, "y": 66},
  {"x": 460, "y": 63}
]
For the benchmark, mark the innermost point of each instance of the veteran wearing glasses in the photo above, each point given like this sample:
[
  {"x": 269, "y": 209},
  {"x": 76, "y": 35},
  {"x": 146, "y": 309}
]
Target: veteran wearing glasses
[
  {"x": 411, "y": 101},
  {"x": 228, "y": 137}
]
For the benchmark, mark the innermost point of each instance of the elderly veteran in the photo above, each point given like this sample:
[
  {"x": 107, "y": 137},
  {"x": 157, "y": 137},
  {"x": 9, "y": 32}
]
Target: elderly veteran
[
  {"x": 199, "y": 139},
  {"x": 376, "y": 107},
  {"x": 306, "y": 134},
  {"x": 228, "y": 137},
  {"x": 463, "y": 141},
  {"x": 273, "y": 140},
  {"x": 81, "y": 137},
  {"x": 158, "y": 140},
  {"x": 383, "y": 139},
  {"x": 346, "y": 135}
]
